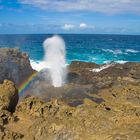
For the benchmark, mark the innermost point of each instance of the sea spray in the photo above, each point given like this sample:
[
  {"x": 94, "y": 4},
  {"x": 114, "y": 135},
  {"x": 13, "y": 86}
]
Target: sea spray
[{"x": 55, "y": 59}]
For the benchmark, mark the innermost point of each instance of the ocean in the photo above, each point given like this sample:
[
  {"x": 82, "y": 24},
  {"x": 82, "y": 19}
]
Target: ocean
[{"x": 83, "y": 47}]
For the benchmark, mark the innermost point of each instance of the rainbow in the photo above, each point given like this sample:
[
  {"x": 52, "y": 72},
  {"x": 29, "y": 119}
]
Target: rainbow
[{"x": 26, "y": 83}]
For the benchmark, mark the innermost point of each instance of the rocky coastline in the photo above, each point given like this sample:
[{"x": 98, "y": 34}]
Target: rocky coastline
[{"x": 99, "y": 102}]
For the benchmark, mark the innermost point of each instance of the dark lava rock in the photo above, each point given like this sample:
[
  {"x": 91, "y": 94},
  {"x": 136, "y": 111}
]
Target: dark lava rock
[
  {"x": 108, "y": 75},
  {"x": 83, "y": 82},
  {"x": 82, "y": 65},
  {"x": 14, "y": 65}
]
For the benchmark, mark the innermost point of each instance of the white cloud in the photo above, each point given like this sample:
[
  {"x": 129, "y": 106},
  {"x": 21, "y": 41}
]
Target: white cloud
[
  {"x": 68, "y": 26},
  {"x": 79, "y": 27},
  {"x": 102, "y": 6},
  {"x": 83, "y": 25}
]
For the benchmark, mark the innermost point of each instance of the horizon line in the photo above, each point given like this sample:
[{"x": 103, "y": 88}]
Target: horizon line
[{"x": 69, "y": 34}]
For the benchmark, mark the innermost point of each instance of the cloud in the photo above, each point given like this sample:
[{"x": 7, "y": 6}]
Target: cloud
[
  {"x": 102, "y": 6},
  {"x": 68, "y": 26},
  {"x": 83, "y": 25},
  {"x": 79, "y": 27},
  {"x": 25, "y": 28}
]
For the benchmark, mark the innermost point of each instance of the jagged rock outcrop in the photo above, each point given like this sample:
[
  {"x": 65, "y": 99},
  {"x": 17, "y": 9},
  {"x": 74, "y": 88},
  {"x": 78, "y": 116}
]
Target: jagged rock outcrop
[
  {"x": 103, "y": 75},
  {"x": 84, "y": 81},
  {"x": 8, "y": 101},
  {"x": 118, "y": 117},
  {"x": 99, "y": 102},
  {"x": 14, "y": 65},
  {"x": 8, "y": 96}
]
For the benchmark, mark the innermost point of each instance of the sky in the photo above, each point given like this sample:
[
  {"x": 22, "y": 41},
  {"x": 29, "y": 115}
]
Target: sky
[{"x": 70, "y": 16}]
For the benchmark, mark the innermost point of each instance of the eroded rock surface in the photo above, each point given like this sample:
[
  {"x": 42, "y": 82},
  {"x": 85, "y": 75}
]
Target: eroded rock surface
[
  {"x": 118, "y": 117},
  {"x": 103, "y": 105},
  {"x": 8, "y": 96},
  {"x": 8, "y": 102},
  {"x": 106, "y": 75},
  {"x": 84, "y": 81}
]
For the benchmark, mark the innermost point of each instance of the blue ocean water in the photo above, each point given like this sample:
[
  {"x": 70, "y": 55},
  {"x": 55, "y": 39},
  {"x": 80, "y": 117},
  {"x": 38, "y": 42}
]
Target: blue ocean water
[{"x": 91, "y": 48}]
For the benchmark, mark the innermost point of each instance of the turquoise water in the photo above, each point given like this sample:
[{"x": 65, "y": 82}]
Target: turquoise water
[{"x": 92, "y": 48}]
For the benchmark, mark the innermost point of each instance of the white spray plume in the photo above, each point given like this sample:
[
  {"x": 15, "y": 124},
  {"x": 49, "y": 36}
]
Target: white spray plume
[{"x": 55, "y": 59}]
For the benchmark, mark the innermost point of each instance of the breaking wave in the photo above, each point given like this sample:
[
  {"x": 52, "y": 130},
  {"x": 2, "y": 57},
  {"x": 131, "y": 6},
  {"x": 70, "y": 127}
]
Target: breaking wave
[
  {"x": 37, "y": 65},
  {"x": 102, "y": 67},
  {"x": 131, "y": 51},
  {"x": 118, "y": 51},
  {"x": 113, "y": 51}
]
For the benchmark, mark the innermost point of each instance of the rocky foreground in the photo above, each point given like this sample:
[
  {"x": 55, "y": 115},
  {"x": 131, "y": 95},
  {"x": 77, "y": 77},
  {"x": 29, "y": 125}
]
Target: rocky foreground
[{"x": 99, "y": 102}]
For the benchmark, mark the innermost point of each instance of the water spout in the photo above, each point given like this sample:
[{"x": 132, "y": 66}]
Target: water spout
[{"x": 55, "y": 59}]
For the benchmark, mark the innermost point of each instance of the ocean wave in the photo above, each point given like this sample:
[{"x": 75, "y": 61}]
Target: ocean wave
[
  {"x": 121, "y": 61},
  {"x": 108, "y": 64},
  {"x": 37, "y": 65},
  {"x": 102, "y": 67},
  {"x": 40, "y": 65},
  {"x": 118, "y": 51},
  {"x": 118, "y": 61},
  {"x": 131, "y": 51}
]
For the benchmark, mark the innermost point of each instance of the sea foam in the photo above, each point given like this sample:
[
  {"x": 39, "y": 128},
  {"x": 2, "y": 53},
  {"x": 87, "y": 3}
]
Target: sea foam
[
  {"x": 115, "y": 52},
  {"x": 102, "y": 67},
  {"x": 131, "y": 51},
  {"x": 38, "y": 65}
]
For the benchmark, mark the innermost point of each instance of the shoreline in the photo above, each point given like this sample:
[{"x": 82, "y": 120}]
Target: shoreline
[
  {"x": 39, "y": 65},
  {"x": 97, "y": 101}
]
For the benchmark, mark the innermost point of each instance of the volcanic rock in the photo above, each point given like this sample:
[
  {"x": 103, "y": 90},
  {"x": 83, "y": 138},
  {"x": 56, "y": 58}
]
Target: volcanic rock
[
  {"x": 99, "y": 102},
  {"x": 118, "y": 117},
  {"x": 9, "y": 135},
  {"x": 107, "y": 74},
  {"x": 8, "y": 96},
  {"x": 14, "y": 65}
]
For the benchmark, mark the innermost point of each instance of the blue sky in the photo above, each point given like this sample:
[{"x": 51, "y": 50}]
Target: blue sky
[{"x": 70, "y": 16}]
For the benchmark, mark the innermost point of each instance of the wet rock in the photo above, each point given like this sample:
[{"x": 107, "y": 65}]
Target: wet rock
[
  {"x": 77, "y": 65},
  {"x": 73, "y": 95},
  {"x": 82, "y": 73},
  {"x": 14, "y": 65}
]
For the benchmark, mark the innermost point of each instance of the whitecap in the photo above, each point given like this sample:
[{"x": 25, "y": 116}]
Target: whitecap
[
  {"x": 131, "y": 51},
  {"x": 37, "y": 65},
  {"x": 118, "y": 61},
  {"x": 121, "y": 61},
  {"x": 102, "y": 67},
  {"x": 118, "y": 51},
  {"x": 40, "y": 65}
]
